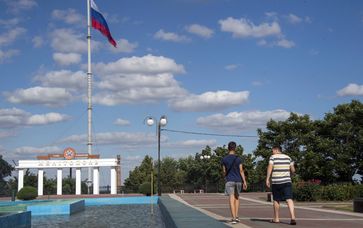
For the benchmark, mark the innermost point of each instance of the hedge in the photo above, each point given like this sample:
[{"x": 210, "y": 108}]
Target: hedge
[
  {"x": 27, "y": 193},
  {"x": 308, "y": 191},
  {"x": 145, "y": 188}
]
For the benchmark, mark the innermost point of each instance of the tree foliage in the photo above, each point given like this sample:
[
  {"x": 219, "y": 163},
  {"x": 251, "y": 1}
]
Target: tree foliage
[
  {"x": 329, "y": 149},
  {"x": 5, "y": 171}
]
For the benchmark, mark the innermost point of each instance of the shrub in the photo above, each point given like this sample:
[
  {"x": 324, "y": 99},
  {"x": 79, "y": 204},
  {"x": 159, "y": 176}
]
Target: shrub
[
  {"x": 337, "y": 192},
  {"x": 306, "y": 192},
  {"x": 145, "y": 188},
  {"x": 358, "y": 191},
  {"x": 27, "y": 193}
]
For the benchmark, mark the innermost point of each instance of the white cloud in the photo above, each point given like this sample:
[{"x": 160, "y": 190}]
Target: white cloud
[
  {"x": 63, "y": 79},
  {"x": 69, "y": 16},
  {"x": 122, "y": 122},
  {"x": 169, "y": 36},
  {"x": 200, "y": 30},
  {"x": 282, "y": 42},
  {"x": 29, "y": 150},
  {"x": 237, "y": 121},
  {"x": 209, "y": 101},
  {"x": 272, "y": 15},
  {"x": 314, "y": 52},
  {"x": 262, "y": 43},
  {"x": 285, "y": 43},
  {"x": 16, "y": 6},
  {"x": 308, "y": 20},
  {"x": 9, "y": 23},
  {"x": 124, "y": 46},
  {"x": 47, "y": 96},
  {"x": 148, "y": 64},
  {"x": 231, "y": 67},
  {"x": 243, "y": 28},
  {"x": 137, "y": 88},
  {"x": 116, "y": 138},
  {"x": 6, "y": 134},
  {"x": 67, "y": 40},
  {"x": 4, "y": 55},
  {"x": 137, "y": 79},
  {"x": 67, "y": 58},
  {"x": 11, "y": 35},
  {"x": 351, "y": 90},
  {"x": 37, "y": 41},
  {"x": 13, "y": 117},
  {"x": 192, "y": 143},
  {"x": 43, "y": 119},
  {"x": 257, "y": 83},
  {"x": 293, "y": 19}
]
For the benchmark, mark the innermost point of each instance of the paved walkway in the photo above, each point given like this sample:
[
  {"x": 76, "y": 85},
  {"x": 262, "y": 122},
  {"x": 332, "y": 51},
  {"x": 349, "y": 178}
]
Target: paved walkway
[{"x": 255, "y": 212}]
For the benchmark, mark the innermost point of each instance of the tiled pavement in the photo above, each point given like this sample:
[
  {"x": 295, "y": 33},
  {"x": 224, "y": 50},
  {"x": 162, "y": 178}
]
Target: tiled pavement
[{"x": 255, "y": 212}]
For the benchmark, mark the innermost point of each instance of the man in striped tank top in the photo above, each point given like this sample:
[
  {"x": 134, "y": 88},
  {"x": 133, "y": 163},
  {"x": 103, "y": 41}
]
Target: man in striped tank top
[{"x": 279, "y": 168}]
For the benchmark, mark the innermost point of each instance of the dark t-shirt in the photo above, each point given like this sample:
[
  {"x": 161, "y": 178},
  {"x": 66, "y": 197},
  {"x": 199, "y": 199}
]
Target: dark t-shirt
[{"x": 234, "y": 173}]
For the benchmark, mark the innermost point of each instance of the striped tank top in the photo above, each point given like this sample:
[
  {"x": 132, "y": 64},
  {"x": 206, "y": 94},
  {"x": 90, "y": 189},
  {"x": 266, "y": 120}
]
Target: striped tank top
[{"x": 281, "y": 168}]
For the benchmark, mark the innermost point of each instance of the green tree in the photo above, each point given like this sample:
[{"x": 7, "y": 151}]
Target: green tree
[
  {"x": 140, "y": 174},
  {"x": 5, "y": 171},
  {"x": 168, "y": 175},
  {"x": 342, "y": 131},
  {"x": 30, "y": 179},
  {"x": 297, "y": 137}
]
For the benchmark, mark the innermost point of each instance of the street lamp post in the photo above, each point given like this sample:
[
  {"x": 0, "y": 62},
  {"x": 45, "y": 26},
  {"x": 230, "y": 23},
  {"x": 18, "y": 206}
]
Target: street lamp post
[
  {"x": 201, "y": 158},
  {"x": 161, "y": 123}
]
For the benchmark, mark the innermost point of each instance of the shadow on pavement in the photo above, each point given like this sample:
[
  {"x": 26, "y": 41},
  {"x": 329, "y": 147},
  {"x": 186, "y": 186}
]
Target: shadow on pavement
[{"x": 269, "y": 221}]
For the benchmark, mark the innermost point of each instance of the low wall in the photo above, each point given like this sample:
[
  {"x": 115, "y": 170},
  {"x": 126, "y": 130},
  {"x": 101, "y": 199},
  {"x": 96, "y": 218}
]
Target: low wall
[
  {"x": 19, "y": 220},
  {"x": 177, "y": 214}
]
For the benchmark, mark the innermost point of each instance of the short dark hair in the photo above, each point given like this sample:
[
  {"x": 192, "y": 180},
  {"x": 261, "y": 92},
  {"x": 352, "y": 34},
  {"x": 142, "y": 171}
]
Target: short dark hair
[
  {"x": 277, "y": 146},
  {"x": 232, "y": 146}
]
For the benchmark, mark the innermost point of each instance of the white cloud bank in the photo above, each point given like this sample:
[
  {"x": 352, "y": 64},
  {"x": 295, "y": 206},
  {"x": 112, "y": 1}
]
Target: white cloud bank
[
  {"x": 351, "y": 90},
  {"x": 209, "y": 101},
  {"x": 243, "y": 28},
  {"x": 69, "y": 16},
  {"x": 66, "y": 59},
  {"x": 13, "y": 117},
  {"x": 200, "y": 30},
  {"x": 170, "y": 36},
  {"x": 238, "y": 121},
  {"x": 52, "y": 97}
]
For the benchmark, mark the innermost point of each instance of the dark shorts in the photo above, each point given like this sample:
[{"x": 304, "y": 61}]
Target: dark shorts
[{"x": 282, "y": 192}]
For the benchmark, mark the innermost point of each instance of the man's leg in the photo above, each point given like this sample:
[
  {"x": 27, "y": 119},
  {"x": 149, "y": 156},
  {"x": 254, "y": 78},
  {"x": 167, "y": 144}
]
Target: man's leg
[
  {"x": 276, "y": 211},
  {"x": 290, "y": 204},
  {"x": 236, "y": 205},
  {"x": 232, "y": 205}
]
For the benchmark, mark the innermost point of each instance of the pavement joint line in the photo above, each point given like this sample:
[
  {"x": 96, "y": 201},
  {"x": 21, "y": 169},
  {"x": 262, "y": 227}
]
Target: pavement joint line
[
  {"x": 306, "y": 219},
  {"x": 306, "y": 208},
  {"x": 210, "y": 214}
]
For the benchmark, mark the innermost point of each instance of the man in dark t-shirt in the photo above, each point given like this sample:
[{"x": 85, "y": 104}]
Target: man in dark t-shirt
[{"x": 234, "y": 176}]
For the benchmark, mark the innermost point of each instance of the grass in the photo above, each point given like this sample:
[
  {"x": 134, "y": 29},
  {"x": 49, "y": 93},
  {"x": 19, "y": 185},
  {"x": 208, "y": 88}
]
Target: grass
[{"x": 348, "y": 208}]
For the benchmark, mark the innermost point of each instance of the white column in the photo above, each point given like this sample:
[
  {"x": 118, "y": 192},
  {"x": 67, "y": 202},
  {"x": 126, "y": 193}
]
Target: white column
[
  {"x": 20, "y": 179},
  {"x": 96, "y": 182},
  {"x": 113, "y": 181},
  {"x": 78, "y": 181},
  {"x": 40, "y": 182},
  {"x": 59, "y": 182}
]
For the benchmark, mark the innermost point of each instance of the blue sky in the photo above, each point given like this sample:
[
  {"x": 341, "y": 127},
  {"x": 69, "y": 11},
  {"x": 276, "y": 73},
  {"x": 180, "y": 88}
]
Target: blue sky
[{"x": 213, "y": 66}]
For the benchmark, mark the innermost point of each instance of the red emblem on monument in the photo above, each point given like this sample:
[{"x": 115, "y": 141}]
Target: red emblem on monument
[{"x": 69, "y": 153}]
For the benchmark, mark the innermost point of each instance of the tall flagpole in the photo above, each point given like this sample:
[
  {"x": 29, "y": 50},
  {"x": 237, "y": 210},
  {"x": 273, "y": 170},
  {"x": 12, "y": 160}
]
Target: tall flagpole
[{"x": 89, "y": 80}]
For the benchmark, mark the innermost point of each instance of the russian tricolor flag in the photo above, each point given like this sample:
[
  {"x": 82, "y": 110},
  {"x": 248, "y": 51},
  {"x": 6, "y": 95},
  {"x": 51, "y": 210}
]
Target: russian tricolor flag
[{"x": 99, "y": 23}]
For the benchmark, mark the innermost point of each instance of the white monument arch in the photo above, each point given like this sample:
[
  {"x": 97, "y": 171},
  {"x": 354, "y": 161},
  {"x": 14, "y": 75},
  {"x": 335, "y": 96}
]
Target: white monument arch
[{"x": 68, "y": 161}]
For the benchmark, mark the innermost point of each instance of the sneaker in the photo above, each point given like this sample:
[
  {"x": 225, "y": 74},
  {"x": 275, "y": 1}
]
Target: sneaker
[
  {"x": 234, "y": 221},
  {"x": 237, "y": 219}
]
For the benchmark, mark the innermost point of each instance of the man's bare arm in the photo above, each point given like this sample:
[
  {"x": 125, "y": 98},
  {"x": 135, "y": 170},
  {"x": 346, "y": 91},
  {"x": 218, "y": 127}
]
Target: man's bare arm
[{"x": 269, "y": 171}]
